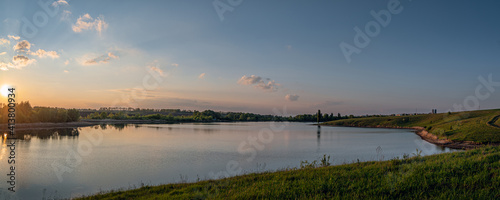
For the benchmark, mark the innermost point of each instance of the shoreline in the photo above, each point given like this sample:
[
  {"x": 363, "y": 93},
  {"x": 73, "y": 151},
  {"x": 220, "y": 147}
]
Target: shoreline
[
  {"x": 82, "y": 123},
  {"x": 420, "y": 131},
  {"x": 431, "y": 138}
]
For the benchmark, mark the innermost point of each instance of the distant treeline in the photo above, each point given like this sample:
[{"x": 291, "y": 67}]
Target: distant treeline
[
  {"x": 207, "y": 115},
  {"x": 26, "y": 114}
]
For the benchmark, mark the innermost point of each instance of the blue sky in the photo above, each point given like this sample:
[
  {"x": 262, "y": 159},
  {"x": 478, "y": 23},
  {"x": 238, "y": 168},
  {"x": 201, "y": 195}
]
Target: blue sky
[{"x": 262, "y": 55}]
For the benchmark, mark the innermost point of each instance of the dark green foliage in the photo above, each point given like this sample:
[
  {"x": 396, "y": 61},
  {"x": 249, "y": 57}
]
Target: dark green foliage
[{"x": 26, "y": 114}]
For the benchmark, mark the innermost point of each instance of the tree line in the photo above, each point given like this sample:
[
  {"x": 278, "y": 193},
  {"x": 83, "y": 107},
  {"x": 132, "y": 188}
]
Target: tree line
[{"x": 27, "y": 114}]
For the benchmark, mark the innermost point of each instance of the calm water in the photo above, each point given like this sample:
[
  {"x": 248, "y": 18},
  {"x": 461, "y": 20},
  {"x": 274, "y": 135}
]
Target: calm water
[{"x": 66, "y": 163}]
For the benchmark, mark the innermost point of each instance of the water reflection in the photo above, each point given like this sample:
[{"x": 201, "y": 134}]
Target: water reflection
[{"x": 56, "y": 133}]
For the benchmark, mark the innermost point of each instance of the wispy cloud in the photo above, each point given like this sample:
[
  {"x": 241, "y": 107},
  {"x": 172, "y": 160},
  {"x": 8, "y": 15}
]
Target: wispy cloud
[
  {"x": 86, "y": 22},
  {"x": 201, "y": 76},
  {"x": 13, "y": 37},
  {"x": 4, "y": 41},
  {"x": 42, "y": 54},
  {"x": 66, "y": 15},
  {"x": 175, "y": 64},
  {"x": 3, "y": 53},
  {"x": 292, "y": 97},
  {"x": 103, "y": 59},
  {"x": 157, "y": 69}
]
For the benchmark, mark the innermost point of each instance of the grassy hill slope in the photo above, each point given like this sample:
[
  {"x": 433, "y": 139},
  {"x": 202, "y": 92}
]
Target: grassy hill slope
[{"x": 459, "y": 126}]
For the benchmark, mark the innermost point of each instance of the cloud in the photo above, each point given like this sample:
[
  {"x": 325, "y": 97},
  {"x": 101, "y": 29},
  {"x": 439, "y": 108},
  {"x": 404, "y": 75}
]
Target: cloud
[
  {"x": 201, "y": 76},
  {"x": 22, "y": 46},
  {"x": 270, "y": 85},
  {"x": 66, "y": 71},
  {"x": 112, "y": 55},
  {"x": 42, "y": 54},
  {"x": 21, "y": 60},
  {"x": 65, "y": 15},
  {"x": 101, "y": 59},
  {"x": 292, "y": 97},
  {"x": 258, "y": 82},
  {"x": 59, "y": 2},
  {"x": 18, "y": 62},
  {"x": 175, "y": 64},
  {"x": 156, "y": 69},
  {"x": 249, "y": 80},
  {"x": 24, "y": 54},
  {"x": 66, "y": 62},
  {"x": 4, "y": 41},
  {"x": 86, "y": 22},
  {"x": 14, "y": 37}
]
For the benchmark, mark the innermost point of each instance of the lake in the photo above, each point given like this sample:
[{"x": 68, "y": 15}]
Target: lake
[{"x": 64, "y": 163}]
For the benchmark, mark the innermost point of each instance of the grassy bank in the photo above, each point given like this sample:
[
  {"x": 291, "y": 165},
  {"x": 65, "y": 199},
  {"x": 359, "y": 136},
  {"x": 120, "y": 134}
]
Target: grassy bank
[
  {"x": 470, "y": 174},
  {"x": 459, "y": 126}
]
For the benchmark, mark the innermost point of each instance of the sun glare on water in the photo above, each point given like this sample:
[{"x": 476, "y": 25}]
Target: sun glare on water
[{"x": 4, "y": 90}]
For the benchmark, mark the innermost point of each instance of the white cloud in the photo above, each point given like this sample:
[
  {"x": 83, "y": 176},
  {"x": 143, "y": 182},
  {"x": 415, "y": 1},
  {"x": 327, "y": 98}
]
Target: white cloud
[
  {"x": 18, "y": 62},
  {"x": 22, "y": 61},
  {"x": 4, "y": 41},
  {"x": 42, "y": 54},
  {"x": 66, "y": 62},
  {"x": 292, "y": 97},
  {"x": 175, "y": 64},
  {"x": 253, "y": 79},
  {"x": 249, "y": 80},
  {"x": 3, "y": 53},
  {"x": 86, "y": 22},
  {"x": 22, "y": 46},
  {"x": 13, "y": 37},
  {"x": 66, "y": 71},
  {"x": 270, "y": 85},
  {"x": 59, "y": 2},
  {"x": 201, "y": 76}
]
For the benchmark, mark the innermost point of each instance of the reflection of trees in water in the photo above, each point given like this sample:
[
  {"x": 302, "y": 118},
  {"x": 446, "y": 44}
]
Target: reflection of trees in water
[
  {"x": 118, "y": 126},
  {"x": 58, "y": 133}
]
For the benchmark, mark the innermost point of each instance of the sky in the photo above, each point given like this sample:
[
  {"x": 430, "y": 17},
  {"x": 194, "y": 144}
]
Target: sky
[{"x": 350, "y": 57}]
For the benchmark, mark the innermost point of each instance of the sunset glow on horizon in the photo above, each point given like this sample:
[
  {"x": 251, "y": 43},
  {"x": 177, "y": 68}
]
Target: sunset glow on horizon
[{"x": 260, "y": 56}]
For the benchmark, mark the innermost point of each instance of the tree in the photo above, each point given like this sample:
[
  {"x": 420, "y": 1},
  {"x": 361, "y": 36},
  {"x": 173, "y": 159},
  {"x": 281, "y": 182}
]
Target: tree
[
  {"x": 73, "y": 115},
  {"x": 319, "y": 116}
]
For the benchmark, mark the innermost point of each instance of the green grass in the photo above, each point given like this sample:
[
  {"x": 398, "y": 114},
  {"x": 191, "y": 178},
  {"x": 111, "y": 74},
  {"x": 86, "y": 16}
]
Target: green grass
[
  {"x": 459, "y": 126},
  {"x": 470, "y": 174}
]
